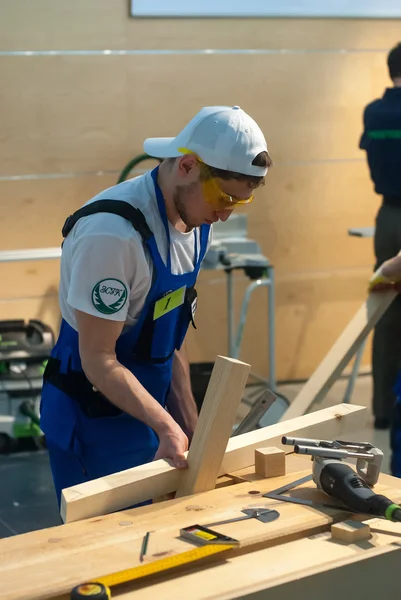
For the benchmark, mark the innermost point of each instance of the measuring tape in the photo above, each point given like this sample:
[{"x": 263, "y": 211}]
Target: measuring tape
[{"x": 100, "y": 589}]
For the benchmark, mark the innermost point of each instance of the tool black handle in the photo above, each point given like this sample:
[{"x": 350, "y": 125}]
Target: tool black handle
[{"x": 340, "y": 481}]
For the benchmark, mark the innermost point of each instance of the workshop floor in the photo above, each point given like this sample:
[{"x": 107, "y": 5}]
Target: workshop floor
[{"x": 27, "y": 500}]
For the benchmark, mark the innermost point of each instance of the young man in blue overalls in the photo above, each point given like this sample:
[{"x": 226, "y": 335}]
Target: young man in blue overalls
[{"x": 117, "y": 391}]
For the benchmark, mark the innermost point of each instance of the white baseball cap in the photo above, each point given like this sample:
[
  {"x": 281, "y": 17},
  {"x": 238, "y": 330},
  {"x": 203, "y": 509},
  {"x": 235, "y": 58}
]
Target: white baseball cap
[{"x": 224, "y": 137}]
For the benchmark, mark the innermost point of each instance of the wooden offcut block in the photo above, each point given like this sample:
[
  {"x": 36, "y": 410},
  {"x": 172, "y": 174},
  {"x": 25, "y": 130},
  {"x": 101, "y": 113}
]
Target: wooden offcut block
[
  {"x": 270, "y": 462},
  {"x": 350, "y": 531}
]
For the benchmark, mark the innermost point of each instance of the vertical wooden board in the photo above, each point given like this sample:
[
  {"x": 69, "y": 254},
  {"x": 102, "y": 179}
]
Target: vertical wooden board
[{"x": 216, "y": 420}]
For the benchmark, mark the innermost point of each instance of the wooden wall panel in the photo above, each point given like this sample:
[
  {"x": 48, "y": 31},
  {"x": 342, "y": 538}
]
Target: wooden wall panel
[
  {"x": 33, "y": 211},
  {"x": 301, "y": 216},
  {"x": 72, "y": 116},
  {"x": 310, "y": 316},
  {"x": 29, "y": 279},
  {"x": 66, "y": 113},
  {"x": 316, "y": 91},
  {"x": 98, "y": 24},
  {"x": 321, "y": 271},
  {"x": 86, "y": 113}
]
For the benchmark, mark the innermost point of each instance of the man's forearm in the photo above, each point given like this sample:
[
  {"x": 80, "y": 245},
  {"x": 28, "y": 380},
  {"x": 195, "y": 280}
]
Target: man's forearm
[
  {"x": 124, "y": 390},
  {"x": 181, "y": 403}
]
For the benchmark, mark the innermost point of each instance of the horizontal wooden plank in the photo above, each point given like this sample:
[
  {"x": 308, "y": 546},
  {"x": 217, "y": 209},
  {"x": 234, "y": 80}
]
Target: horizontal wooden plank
[
  {"x": 325, "y": 423},
  {"x": 85, "y": 113},
  {"x": 157, "y": 478},
  {"x": 97, "y": 24}
]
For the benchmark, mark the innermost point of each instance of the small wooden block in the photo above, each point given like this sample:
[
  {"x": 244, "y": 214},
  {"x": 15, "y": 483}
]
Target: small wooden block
[
  {"x": 270, "y": 462},
  {"x": 350, "y": 531}
]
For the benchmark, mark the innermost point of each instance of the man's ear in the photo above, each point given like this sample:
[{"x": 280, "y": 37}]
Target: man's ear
[{"x": 186, "y": 164}]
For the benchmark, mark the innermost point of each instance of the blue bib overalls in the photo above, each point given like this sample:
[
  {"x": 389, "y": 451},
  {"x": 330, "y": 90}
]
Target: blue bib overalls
[{"x": 87, "y": 436}]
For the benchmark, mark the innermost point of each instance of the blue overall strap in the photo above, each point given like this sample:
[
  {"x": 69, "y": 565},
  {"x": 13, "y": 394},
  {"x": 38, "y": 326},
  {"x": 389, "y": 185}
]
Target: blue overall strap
[
  {"x": 122, "y": 209},
  {"x": 204, "y": 240},
  {"x": 163, "y": 214}
]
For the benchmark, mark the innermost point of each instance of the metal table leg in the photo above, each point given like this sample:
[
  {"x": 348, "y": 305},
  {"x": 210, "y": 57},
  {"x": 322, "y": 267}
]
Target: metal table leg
[
  {"x": 272, "y": 327},
  {"x": 261, "y": 412},
  {"x": 269, "y": 283}
]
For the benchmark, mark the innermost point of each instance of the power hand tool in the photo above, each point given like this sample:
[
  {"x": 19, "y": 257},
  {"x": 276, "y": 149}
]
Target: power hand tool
[{"x": 339, "y": 480}]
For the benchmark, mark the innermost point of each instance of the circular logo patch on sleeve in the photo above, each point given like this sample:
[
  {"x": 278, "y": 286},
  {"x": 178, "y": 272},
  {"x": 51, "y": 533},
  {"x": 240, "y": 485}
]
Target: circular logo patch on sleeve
[{"x": 109, "y": 296}]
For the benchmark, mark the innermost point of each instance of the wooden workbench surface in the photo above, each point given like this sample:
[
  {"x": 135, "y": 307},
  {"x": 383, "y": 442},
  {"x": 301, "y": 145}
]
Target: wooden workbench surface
[{"x": 48, "y": 563}]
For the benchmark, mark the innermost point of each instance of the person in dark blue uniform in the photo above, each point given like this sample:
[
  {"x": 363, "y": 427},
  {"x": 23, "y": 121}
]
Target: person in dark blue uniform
[
  {"x": 381, "y": 139},
  {"x": 388, "y": 277},
  {"x": 117, "y": 391}
]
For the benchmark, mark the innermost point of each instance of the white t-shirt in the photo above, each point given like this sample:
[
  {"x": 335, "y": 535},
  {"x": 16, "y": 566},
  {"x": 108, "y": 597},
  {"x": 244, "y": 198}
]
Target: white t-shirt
[{"x": 105, "y": 269}]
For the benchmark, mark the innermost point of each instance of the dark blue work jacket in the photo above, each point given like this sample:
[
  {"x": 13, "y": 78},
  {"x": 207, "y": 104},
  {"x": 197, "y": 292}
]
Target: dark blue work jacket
[{"x": 381, "y": 139}]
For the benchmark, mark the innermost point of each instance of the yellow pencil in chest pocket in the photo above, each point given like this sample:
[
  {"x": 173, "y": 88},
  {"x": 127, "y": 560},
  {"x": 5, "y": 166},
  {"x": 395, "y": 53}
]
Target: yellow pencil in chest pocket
[{"x": 169, "y": 302}]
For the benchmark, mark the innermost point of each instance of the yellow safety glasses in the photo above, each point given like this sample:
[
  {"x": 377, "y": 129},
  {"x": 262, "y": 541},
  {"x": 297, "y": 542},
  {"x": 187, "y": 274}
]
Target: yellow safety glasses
[{"x": 212, "y": 191}]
